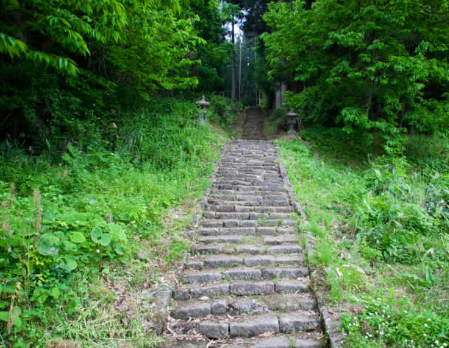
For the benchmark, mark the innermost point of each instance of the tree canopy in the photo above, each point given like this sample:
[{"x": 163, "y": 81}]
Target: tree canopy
[
  {"x": 69, "y": 60},
  {"x": 364, "y": 64}
]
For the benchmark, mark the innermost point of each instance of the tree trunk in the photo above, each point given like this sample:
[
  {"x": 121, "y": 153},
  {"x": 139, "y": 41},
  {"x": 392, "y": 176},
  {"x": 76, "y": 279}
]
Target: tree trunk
[{"x": 233, "y": 63}]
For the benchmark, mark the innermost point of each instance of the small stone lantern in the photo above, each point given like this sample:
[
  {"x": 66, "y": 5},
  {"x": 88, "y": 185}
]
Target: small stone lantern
[
  {"x": 203, "y": 105},
  {"x": 292, "y": 117}
]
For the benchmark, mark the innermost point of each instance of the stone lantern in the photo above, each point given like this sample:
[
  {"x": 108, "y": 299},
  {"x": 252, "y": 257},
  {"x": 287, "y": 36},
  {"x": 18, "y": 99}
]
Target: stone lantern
[
  {"x": 292, "y": 118},
  {"x": 203, "y": 105}
]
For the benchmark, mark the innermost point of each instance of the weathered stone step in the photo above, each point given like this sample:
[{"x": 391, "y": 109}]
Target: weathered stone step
[
  {"x": 249, "y": 327},
  {"x": 271, "y": 260},
  {"x": 227, "y": 261},
  {"x": 281, "y": 239},
  {"x": 232, "y": 268},
  {"x": 219, "y": 239},
  {"x": 249, "y": 249},
  {"x": 248, "y": 208},
  {"x": 228, "y": 223},
  {"x": 251, "y": 231},
  {"x": 263, "y": 219},
  {"x": 281, "y": 341},
  {"x": 248, "y": 260},
  {"x": 225, "y": 231},
  {"x": 229, "y": 193},
  {"x": 255, "y": 325},
  {"x": 242, "y": 188},
  {"x": 214, "y": 204},
  {"x": 243, "y": 287},
  {"x": 234, "y": 177},
  {"x": 278, "y": 341},
  {"x": 186, "y": 298},
  {"x": 214, "y": 198}
]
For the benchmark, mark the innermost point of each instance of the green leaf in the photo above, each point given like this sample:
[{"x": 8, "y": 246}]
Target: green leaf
[
  {"x": 4, "y": 316},
  {"x": 55, "y": 292},
  {"x": 118, "y": 248},
  {"x": 47, "y": 245},
  {"x": 100, "y": 237},
  {"x": 77, "y": 237},
  {"x": 117, "y": 232},
  {"x": 70, "y": 263}
]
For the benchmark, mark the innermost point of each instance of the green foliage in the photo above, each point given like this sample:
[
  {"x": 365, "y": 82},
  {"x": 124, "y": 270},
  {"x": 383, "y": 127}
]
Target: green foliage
[
  {"x": 379, "y": 224},
  {"x": 224, "y": 112},
  {"x": 65, "y": 62},
  {"x": 66, "y": 222},
  {"x": 364, "y": 65},
  {"x": 392, "y": 322}
]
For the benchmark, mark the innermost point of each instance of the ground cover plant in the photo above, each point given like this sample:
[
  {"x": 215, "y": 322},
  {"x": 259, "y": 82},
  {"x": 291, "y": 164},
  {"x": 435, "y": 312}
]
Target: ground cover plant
[
  {"x": 382, "y": 230},
  {"x": 83, "y": 235}
]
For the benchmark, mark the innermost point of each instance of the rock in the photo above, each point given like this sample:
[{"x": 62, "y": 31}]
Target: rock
[
  {"x": 254, "y": 326},
  {"x": 210, "y": 291},
  {"x": 191, "y": 310},
  {"x": 297, "y": 321},
  {"x": 219, "y": 307},
  {"x": 252, "y": 288}
]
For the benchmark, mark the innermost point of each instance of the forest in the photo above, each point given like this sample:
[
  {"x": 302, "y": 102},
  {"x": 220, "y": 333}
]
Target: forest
[{"x": 103, "y": 159}]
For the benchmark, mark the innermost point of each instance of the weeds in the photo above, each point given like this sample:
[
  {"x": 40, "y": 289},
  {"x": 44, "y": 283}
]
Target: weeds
[
  {"x": 381, "y": 227},
  {"x": 71, "y": 228}
]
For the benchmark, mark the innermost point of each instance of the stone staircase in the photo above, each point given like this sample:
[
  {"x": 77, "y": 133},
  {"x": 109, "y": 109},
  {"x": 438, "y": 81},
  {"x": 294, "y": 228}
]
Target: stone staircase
[{"x": 245, "y": 283}]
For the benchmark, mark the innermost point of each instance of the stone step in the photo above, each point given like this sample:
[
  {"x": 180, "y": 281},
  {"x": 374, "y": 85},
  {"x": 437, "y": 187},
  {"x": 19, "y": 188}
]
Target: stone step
[
  {"x": 298, "y": 321},
  {"x": 240, "y": 231},
  {"x": 248, "y": 208},
  {"x": 282, "y": 239},
  {"x": 228, "y": 223},
  {"x": 251, "y": 231},
  {"x": 233, "y": 268},
  {"x": 255, "y": 325},
  {"x": 297, "y": 340},
  {"x": 228, "y": 261},
  {"x": 282, "y": 341},
  {"x": 251, "y": 246},
  {"x": 219, "y": 239},
  {"x": 231, "y": 193},
  {"x": 241, "y": 287},
  {"x": 264, "y": 219},
  {"x": 271, "y": 260},
  {"x": 214, "y": 204},
  {"x": 243, "y": 188}
]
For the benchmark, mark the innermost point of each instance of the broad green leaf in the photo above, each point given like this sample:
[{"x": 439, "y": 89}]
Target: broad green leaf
[
  {"x": 100, "y": 237},
  {"x": 77, "y": 237},
  {"x": 55, "y": 293},
  {"x": 4, "y": 316},
  {"x": 117, "y": 232},
  {"x": 118, "y": 248},
  {"x": 71, "y": 263},
  {"x": 47, "y": 245}
]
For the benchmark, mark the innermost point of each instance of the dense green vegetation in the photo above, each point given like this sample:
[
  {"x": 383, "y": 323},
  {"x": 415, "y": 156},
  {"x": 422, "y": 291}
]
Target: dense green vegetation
[
  {"x": 382, "y": 231},
  {"x": 67, "y": 226},
  {"x": 103, "y": 157},
  {"x": 364, "y": 65}
]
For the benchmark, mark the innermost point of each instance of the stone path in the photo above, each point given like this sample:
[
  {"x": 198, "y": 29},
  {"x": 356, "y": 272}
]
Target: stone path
[
  {"x": 253, "y": 127},
  {"x": 245, "y": 283}
]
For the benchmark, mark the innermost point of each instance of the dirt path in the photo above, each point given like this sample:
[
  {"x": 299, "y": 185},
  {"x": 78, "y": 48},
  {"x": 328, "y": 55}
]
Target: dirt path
[
  {"x": 253, "y": 127},
  {"x": 246, "y": 284}
]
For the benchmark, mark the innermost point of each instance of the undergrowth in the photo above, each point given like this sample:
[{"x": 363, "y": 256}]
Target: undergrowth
[
  {"x": 85, "y": 228},
  {"x": 382, "y": 231}
]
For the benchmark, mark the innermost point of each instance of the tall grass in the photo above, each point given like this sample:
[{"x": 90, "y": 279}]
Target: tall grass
[
  {"x": 100, "y": 209},
  {"x": 382, "y": 229}
]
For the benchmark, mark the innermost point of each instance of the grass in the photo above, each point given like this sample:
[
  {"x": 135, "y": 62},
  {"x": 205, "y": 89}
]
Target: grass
[
  {"x": 382, "y": 231},
  {"x": 87, "y": 236}
]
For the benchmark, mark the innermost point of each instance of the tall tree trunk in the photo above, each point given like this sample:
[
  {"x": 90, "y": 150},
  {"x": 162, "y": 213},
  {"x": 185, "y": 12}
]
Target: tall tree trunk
[
  {"x": 233, "y": 63},
  {"x": 240, "y": 69}
]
